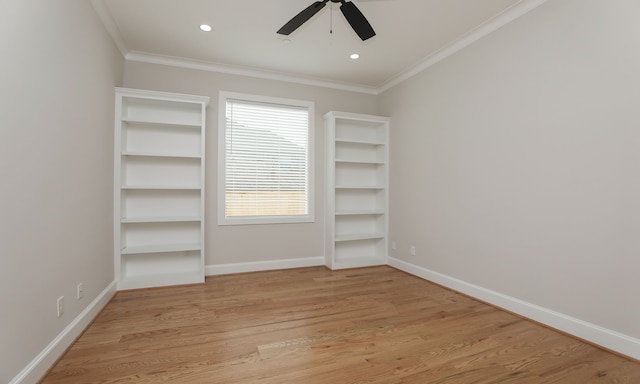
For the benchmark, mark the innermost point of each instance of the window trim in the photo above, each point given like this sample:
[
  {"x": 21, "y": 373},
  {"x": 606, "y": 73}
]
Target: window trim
[{"x": 223, "y": 96}]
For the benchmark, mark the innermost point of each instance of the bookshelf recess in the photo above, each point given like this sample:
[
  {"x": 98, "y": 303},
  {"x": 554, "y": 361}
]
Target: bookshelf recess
[
  {"x": 158, "y": 188},
  {"x": 357, "y": 189}
]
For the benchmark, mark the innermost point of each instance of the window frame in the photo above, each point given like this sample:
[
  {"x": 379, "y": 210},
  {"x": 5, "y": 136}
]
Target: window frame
[{"x": 309, "y": 217}]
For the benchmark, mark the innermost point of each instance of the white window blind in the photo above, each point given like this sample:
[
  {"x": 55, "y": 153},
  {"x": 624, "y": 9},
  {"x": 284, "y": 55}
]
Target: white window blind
[{"x": 266, "y": 159}]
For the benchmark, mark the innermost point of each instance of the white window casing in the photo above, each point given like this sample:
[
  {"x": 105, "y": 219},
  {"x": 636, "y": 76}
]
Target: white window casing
[{"x": 265, "y": 160}]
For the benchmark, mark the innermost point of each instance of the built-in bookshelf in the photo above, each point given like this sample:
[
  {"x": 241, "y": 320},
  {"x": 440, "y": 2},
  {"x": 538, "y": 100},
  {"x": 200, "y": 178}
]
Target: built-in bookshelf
[
  {"x": 357, "y": 154},
  {"x": 159, "y": 188}
]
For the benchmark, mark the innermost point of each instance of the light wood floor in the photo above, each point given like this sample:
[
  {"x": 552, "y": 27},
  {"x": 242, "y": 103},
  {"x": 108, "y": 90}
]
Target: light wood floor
[{"x": 311, "y": 325}]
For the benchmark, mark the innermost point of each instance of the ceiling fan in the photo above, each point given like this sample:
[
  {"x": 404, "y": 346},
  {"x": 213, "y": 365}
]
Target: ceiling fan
[{"x": 353, "y": 15}]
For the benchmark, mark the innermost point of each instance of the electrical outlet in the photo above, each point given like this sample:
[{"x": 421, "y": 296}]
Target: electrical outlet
[
  {"x": 79, "y": 291},
  {"x": 60, "y": 304},
  {"x": 393, "y": 245},
  {"x": 412, "y": 250}
]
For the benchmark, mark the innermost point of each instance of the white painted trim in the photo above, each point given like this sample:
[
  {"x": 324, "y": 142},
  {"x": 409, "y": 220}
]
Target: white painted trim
[
  {"x": 505, "y": 17},
  {"x": 598, "y": 335},
  {"x": 110, "y": 25},
  {"x": 157, "y": 95},
  {"x": 310, "y": 217},
  {"x": 39, "y": 366},
  {"x": 463, "y": 41},
  {"x": 491, "y": 25},
  {"x": 255, "y": 266},
  {"x": 179, "y": 62}
]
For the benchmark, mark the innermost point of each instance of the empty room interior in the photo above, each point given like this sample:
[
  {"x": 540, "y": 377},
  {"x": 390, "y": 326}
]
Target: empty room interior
[{"x": 381, "y": 191}]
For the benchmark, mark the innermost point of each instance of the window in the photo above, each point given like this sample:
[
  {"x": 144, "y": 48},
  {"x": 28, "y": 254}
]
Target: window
[{"x": 265, "y": 160}]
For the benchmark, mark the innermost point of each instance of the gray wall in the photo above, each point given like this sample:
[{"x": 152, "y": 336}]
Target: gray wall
[
  {"x": 58, "y": 70},
  {"x": 515, "y": 162},
  {"x": 251, "y": 243}
]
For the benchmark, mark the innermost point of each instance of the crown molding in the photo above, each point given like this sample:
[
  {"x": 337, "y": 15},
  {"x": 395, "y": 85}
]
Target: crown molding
[
  {"x": 491, "y": 25},
  {"x": 110, "y": 25},
  {"x": 144, "y": 57},
  {"x": 152, "y": 58}
]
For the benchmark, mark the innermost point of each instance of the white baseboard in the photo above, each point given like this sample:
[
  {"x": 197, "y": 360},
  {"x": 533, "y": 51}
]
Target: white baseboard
[
  {"x": 612, "y": 340},
  {"x": 225, "y": 269},
  {"x": 606, "y": 338},
  {"x": 39, "y": 366}
]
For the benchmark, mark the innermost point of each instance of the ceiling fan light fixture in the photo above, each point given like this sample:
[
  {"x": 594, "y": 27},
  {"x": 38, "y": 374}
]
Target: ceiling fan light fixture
[{"x": 205, "y": 28}]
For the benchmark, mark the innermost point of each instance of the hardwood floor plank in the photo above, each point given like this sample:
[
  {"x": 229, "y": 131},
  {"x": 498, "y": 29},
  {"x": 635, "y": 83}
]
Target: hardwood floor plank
[{"x": 311, "y": 325}]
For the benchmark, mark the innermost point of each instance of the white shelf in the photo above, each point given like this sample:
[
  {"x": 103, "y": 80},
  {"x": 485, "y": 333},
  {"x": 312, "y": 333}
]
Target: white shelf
[
  {"x": 380, "y": 187},
  {"x": 358, "y": 261},
  {"x": 159, "y": 280},
  {"x": 159, "y": 123},
  {"x": 161, "y": 139},
  {"x": 359, "y": 213},
  {"x": 359, "y": 236},
  {"x": 361, "y": 142},
  {"x": 160, "y": 219},
  {"x": 169, "y": 155},
  {"x": 159, "y": 248},
  {"x": 159, "y": 188},
  {"x": 357, "y": 190},
  {"x": 359, "y": 162}
]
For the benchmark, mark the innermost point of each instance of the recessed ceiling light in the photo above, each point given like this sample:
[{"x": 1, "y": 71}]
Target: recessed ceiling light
[
  {"x": 206, "y": 27},
  {"x": 354, "y": 56}
]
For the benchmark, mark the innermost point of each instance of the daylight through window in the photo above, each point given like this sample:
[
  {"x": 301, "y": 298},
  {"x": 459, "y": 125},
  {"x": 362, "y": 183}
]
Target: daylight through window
[{"x": 266, "y": 165}]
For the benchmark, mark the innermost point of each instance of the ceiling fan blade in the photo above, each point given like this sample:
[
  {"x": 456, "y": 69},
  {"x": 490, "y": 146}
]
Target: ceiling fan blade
[
  {"x": 302, "y": 17},
  {"x": 357, "y": 20}
]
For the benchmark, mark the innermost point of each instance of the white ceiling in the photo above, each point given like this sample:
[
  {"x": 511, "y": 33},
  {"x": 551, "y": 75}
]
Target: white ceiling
[{"x": 410, "y": 34}]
